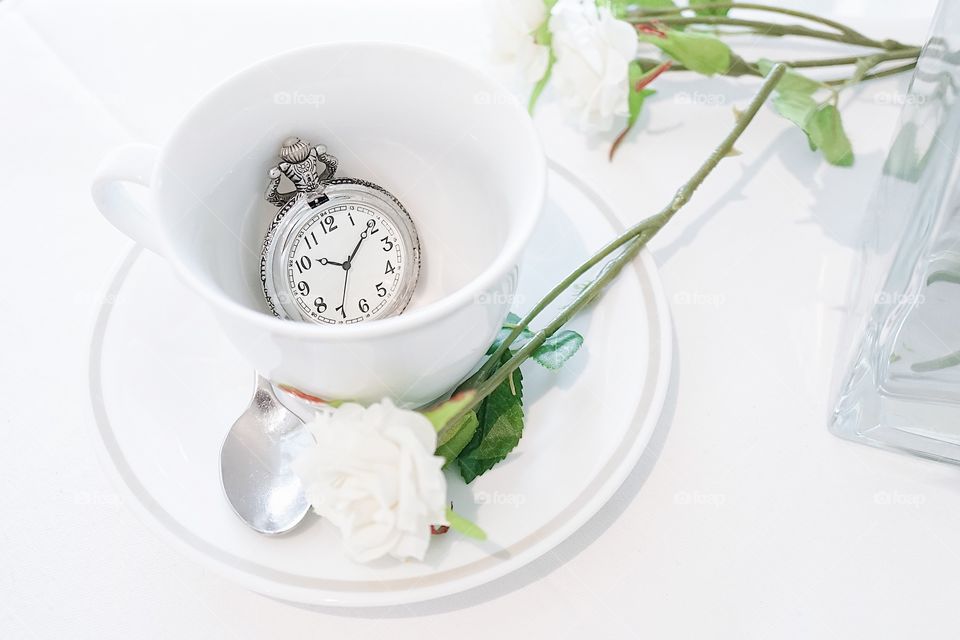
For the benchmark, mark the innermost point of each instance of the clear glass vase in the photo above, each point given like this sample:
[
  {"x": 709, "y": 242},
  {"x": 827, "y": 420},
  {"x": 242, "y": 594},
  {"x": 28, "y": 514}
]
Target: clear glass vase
[{"x": 901, "y": 389}]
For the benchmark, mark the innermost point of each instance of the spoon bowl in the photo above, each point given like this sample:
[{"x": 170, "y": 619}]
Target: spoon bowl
[{"x": 255, "y": 464}]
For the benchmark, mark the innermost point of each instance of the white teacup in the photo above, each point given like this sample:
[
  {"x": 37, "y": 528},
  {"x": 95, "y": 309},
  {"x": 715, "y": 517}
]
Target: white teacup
[{"x": 454, "y": 146}]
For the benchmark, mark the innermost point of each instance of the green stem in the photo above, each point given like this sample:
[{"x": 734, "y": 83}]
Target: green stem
[
  {"x": 738, "y": 66},
  {"x": 775, "y": 29},
  {"x": 892, "y": 71},
  {"x": 899, "y": 54},
  {"x": 750, "y": 68},
  {"x": 635, "y": 238},
  {"x": 795, "y": 13},
  {"x": 563, "y": 285},
  {"x": 542, "y": 82}
]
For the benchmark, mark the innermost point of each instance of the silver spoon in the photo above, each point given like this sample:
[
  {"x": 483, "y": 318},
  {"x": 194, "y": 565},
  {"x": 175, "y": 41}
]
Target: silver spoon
[{"x": 255, "y": 461}]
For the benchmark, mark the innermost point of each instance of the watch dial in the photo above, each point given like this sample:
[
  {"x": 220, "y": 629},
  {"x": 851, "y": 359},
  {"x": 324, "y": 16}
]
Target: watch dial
[{"x": 346, "y": 264}]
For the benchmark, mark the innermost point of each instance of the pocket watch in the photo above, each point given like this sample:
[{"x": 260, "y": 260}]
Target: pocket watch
[{"x": 340, "y": 250}]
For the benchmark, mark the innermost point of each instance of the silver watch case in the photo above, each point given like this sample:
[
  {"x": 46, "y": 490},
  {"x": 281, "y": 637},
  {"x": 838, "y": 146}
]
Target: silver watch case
[{"x": 276, "y": 267}]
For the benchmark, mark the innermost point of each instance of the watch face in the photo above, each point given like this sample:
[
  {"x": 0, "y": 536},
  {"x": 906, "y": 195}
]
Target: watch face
[
  {"x": 346, "y": 264},
  {"x": 349, "y": 255}
]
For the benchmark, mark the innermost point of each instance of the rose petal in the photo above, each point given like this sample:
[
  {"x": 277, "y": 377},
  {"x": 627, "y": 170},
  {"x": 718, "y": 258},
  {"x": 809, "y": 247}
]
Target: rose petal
[{"x": 373, "y": 475}]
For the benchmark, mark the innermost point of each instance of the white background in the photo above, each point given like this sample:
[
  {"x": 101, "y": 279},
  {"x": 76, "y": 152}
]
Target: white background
[{"x": 746, "y": 520}]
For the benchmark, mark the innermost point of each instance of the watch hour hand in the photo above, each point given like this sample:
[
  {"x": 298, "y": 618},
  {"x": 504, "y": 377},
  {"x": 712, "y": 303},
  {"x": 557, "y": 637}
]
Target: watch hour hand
[
  {"x": 325, "y": 261},
  {"x": 356, "y": 248}
]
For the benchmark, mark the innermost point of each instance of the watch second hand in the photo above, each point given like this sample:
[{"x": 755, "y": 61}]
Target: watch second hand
[{"x": 343, "y": 301}]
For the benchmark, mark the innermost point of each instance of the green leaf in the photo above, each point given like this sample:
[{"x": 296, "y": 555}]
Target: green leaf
[
  {"x": 698, "y": 52},
  {"x": 791, "y": 82},
  {"x": 826, "y": 133},
  {"x": 463, "y": 526},
  {"x": 554, "y": 351},
  {"x": 795, "y": 107},
  {"x": 558, "y": 348},
  {"x": 821, "y": 123},
  {"x": 453, "y": 440},
  {"x": 458, "y": 437},
  {"x": 708, "y": 11},
  {"x": 440, "y": 414},
  {"x": 501, "y": 425},
  {"x": 634, "y": 100},
  {"x": 522, "y": 339}
]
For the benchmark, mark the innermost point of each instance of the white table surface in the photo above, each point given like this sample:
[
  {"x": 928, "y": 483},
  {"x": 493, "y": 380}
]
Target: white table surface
[{"x": 746, "y": 519}]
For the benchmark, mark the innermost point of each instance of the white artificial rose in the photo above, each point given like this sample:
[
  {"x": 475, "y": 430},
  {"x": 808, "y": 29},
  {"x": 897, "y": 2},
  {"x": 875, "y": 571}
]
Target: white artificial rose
[
  {"x": 373, "y": 474},
  {"x": 593, "y": 51},
  {"x": 513, "y": 41}
]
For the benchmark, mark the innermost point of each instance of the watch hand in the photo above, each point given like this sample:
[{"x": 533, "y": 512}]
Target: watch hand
[
  {"x": 325, "y": 261},
  {"x": 343, "y": 301},
  {"x": 357, "y": 248},
  {"x": 363, "y": 236}
]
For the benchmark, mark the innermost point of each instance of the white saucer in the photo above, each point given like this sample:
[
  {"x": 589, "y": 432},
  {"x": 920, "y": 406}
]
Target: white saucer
[{"x": 165, "y": 386}]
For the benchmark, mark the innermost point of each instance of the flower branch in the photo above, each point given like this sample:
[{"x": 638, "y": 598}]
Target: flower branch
[
  {"x": 490, "y": 377},
  {"x": 591, "y": 52},
  {"x": 752, "y": 6},
  {"x": 774, "y": 29},
  {"x": 750, "y": 67},
  {"x": 885, "y": 73}
]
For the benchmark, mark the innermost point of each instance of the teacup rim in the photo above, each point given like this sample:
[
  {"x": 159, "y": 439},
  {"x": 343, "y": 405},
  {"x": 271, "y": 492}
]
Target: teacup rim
[{"x": 506, "y": 258}]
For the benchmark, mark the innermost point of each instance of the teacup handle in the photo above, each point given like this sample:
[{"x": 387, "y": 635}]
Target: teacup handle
[{"x": 131, "y": 163}]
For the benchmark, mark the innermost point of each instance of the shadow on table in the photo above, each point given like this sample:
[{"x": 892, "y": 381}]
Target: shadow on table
[
  {"x": 839, "y": 193},
  {"x": 555, "y": 558}
]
